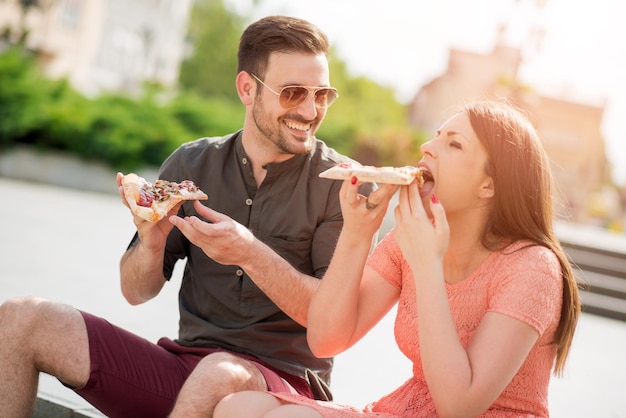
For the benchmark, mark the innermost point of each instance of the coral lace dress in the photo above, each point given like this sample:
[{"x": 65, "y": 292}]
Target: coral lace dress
[{"x": 522, "y": 281}]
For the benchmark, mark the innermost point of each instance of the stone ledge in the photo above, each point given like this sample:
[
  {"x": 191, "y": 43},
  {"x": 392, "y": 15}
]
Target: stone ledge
[
  {"x": 50, "y": 406},
  {"x": 61, "y": 169}
]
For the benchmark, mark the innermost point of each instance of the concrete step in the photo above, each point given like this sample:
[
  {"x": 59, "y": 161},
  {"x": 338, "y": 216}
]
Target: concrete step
[{"x": 51, "y": 406}]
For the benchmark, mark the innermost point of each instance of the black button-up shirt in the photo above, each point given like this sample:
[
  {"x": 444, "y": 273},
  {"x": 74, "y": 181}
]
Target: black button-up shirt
[{"x": 293, "y": 211}]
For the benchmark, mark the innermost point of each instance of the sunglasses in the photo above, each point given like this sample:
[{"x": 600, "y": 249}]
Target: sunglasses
[{"x": 292, "y": 96}]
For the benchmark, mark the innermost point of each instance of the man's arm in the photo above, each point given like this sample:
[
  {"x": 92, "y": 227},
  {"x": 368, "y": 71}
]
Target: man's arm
[
  {"x": 141, "y": 273},
  {"x": 230, "y": 243},
  {"x": 141, "y": 266},
  {"x": 288, "y": 288}
]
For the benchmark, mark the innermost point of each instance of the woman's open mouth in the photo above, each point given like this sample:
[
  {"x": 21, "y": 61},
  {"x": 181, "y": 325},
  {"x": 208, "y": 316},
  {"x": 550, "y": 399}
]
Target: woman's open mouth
[{"x": 429, "y": 182}]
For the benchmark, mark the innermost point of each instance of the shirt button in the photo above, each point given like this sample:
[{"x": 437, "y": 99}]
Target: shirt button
[
  {"x": 249, "y": 202},
  {"x": 239, "y": 272},
  {"x": 244, "y": 160}
]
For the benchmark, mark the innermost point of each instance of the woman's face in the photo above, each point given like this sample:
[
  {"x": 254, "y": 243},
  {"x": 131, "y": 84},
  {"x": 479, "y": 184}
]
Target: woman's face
[{"x": 456, "y": 158}]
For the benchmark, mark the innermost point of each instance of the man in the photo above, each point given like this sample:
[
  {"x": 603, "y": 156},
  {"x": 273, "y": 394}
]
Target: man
[{"x": 255, "y": 252}]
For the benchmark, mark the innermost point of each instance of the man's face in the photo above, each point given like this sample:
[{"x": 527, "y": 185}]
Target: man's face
[{"x": 290, "y": 131}]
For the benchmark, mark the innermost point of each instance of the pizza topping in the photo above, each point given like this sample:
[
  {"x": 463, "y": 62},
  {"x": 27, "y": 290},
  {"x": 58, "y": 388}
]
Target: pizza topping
[
  {"x": 153, "y": 201},
  {"x": 347, "y": 165},
  {"x": 145, "y": 198},
  {"x": 162, "y": 190}
]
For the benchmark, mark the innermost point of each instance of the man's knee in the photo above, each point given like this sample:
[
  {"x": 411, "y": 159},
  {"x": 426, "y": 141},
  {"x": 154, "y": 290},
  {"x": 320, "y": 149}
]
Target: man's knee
[
  {"x": 50, "y": 336},
  {"x": 17, "y": 315},
  {"x": 32, "y": 319},
  {"x": 231, "y": 371}
]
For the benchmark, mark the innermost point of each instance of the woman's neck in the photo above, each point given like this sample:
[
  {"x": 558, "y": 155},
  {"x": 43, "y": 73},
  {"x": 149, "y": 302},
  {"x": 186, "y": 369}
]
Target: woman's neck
[{"x": 466, "y": 251}]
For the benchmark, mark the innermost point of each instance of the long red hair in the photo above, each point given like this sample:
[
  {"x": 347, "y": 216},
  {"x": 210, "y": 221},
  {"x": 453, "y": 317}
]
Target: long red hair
[{"x": 523, "y": 203}]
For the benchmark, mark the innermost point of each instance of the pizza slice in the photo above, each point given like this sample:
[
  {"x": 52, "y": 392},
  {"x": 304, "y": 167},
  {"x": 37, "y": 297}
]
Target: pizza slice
[
  {"x": 367, "y": 173},
  {"x": 153, "y": 201}
]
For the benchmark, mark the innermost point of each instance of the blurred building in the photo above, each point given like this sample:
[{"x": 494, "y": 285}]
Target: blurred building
[
  {"x": 571, "y": 132},
  {"x": 102, "y": 45}
]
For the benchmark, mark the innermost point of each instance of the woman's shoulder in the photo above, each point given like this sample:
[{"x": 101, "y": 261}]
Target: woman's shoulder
[
  {"x": 523, "y": 263},
  {"x": 387, "y": 260},
  {"x": 524, "y": 251},
  {"x": 527, "y": 284}
]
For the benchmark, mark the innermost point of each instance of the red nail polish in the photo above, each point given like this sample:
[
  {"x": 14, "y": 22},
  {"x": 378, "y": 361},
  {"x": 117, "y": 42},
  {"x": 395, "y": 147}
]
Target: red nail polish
[
  {"x": 434, "y": 199},
  {"x": 353, "y": 180}
]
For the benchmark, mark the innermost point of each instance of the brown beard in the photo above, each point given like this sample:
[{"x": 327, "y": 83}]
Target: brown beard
[{"x": 273, "y": 132}]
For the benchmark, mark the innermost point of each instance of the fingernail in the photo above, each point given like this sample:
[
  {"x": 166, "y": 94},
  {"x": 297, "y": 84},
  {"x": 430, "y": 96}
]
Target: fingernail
[
  {"x": 434, "y": 199},
  {"x": 353, "y": 180}
]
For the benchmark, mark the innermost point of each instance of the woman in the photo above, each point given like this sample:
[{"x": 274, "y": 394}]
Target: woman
[{"x": 488, "y": 303}]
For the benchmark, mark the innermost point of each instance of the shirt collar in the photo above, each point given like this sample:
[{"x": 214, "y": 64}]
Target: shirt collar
[{"x": 288, "y": 165}]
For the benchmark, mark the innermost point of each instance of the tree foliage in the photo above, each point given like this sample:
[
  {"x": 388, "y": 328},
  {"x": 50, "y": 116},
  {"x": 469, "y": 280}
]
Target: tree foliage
[
  {"x": 214, "y": 39},
  {"x": 125, "y": 132},
  {"x": 366, "y": 122},
  {"x": 22, "y": 96}
]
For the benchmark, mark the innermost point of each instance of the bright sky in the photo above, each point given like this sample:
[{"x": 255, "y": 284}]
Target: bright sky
[{"x": 404, "y": 44}]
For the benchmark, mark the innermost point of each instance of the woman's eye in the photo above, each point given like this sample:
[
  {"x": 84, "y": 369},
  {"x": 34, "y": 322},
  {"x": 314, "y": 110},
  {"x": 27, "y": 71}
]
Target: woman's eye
[{"x": 455, "y": 144}]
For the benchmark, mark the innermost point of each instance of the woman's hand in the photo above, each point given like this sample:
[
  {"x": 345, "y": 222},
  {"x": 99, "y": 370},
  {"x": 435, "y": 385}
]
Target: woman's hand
[
  {"x": 421, "y": 238},
  {"x": 364, "y": 215}
]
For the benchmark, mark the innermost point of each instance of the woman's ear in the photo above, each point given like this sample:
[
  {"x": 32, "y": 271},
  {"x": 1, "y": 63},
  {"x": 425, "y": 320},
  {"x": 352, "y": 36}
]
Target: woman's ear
[
  {"x": 246, "y": 88},
  {"x": 487, "y": 189}
]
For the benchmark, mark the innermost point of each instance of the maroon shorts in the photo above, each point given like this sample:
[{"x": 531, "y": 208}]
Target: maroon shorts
[{"x": 133, "y": 377}]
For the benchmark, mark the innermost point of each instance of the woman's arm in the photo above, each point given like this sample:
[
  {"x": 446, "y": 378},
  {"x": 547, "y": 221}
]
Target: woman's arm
[
  {"x": 351, "y": 298},
  {"x": 462, "y": 381},
  {"x": 466, "y": 381}
]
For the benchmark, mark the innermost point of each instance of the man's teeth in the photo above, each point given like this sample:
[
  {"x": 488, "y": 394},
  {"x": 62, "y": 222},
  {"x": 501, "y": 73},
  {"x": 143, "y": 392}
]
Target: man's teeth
[{"x": 297, "y": 126}]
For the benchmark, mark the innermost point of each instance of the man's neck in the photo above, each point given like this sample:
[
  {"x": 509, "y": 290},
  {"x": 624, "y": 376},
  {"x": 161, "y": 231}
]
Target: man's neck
[{"x": 260, "y": 155}]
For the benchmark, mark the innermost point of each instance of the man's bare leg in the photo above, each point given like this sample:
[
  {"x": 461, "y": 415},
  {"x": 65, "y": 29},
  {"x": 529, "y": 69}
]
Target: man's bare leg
[
  {"x": 39, "y": 336},
  {"x": 216, "y": 376}
]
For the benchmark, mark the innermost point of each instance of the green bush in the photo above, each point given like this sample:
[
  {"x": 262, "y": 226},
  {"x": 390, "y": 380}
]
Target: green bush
[
  {"x": 127, "y": 133},
  {"x": 124, "y": 132},
  {"x": 23, "y": 96},
  {"x": 203, "y": 116},
  {"x": 67, "y": 120}
]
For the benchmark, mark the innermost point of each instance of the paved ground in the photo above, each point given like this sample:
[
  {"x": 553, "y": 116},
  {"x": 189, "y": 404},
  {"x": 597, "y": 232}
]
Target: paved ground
[{"x": 65, "y": 245}]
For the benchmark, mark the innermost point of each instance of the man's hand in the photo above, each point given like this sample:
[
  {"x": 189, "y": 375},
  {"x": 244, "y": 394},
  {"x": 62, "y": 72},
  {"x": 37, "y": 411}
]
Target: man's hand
[
  {"x": 151, "y": 234},
  {"x": 221, "y": 238},
  {"x": 230, "y": 243}
]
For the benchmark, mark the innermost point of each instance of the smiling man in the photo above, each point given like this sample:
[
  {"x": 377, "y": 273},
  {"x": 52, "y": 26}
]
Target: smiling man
[{"x": 255, "y": 252}]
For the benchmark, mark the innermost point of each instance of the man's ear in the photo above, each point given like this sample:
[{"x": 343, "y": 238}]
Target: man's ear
[
  {"x": 246, "y": 88},
  {"x": 487, "y": 189}
]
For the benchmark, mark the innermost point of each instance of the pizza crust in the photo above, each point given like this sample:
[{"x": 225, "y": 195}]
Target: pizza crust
[
  {"x": 371, "y": 174},
  {"x": 136, "y": 189}
]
